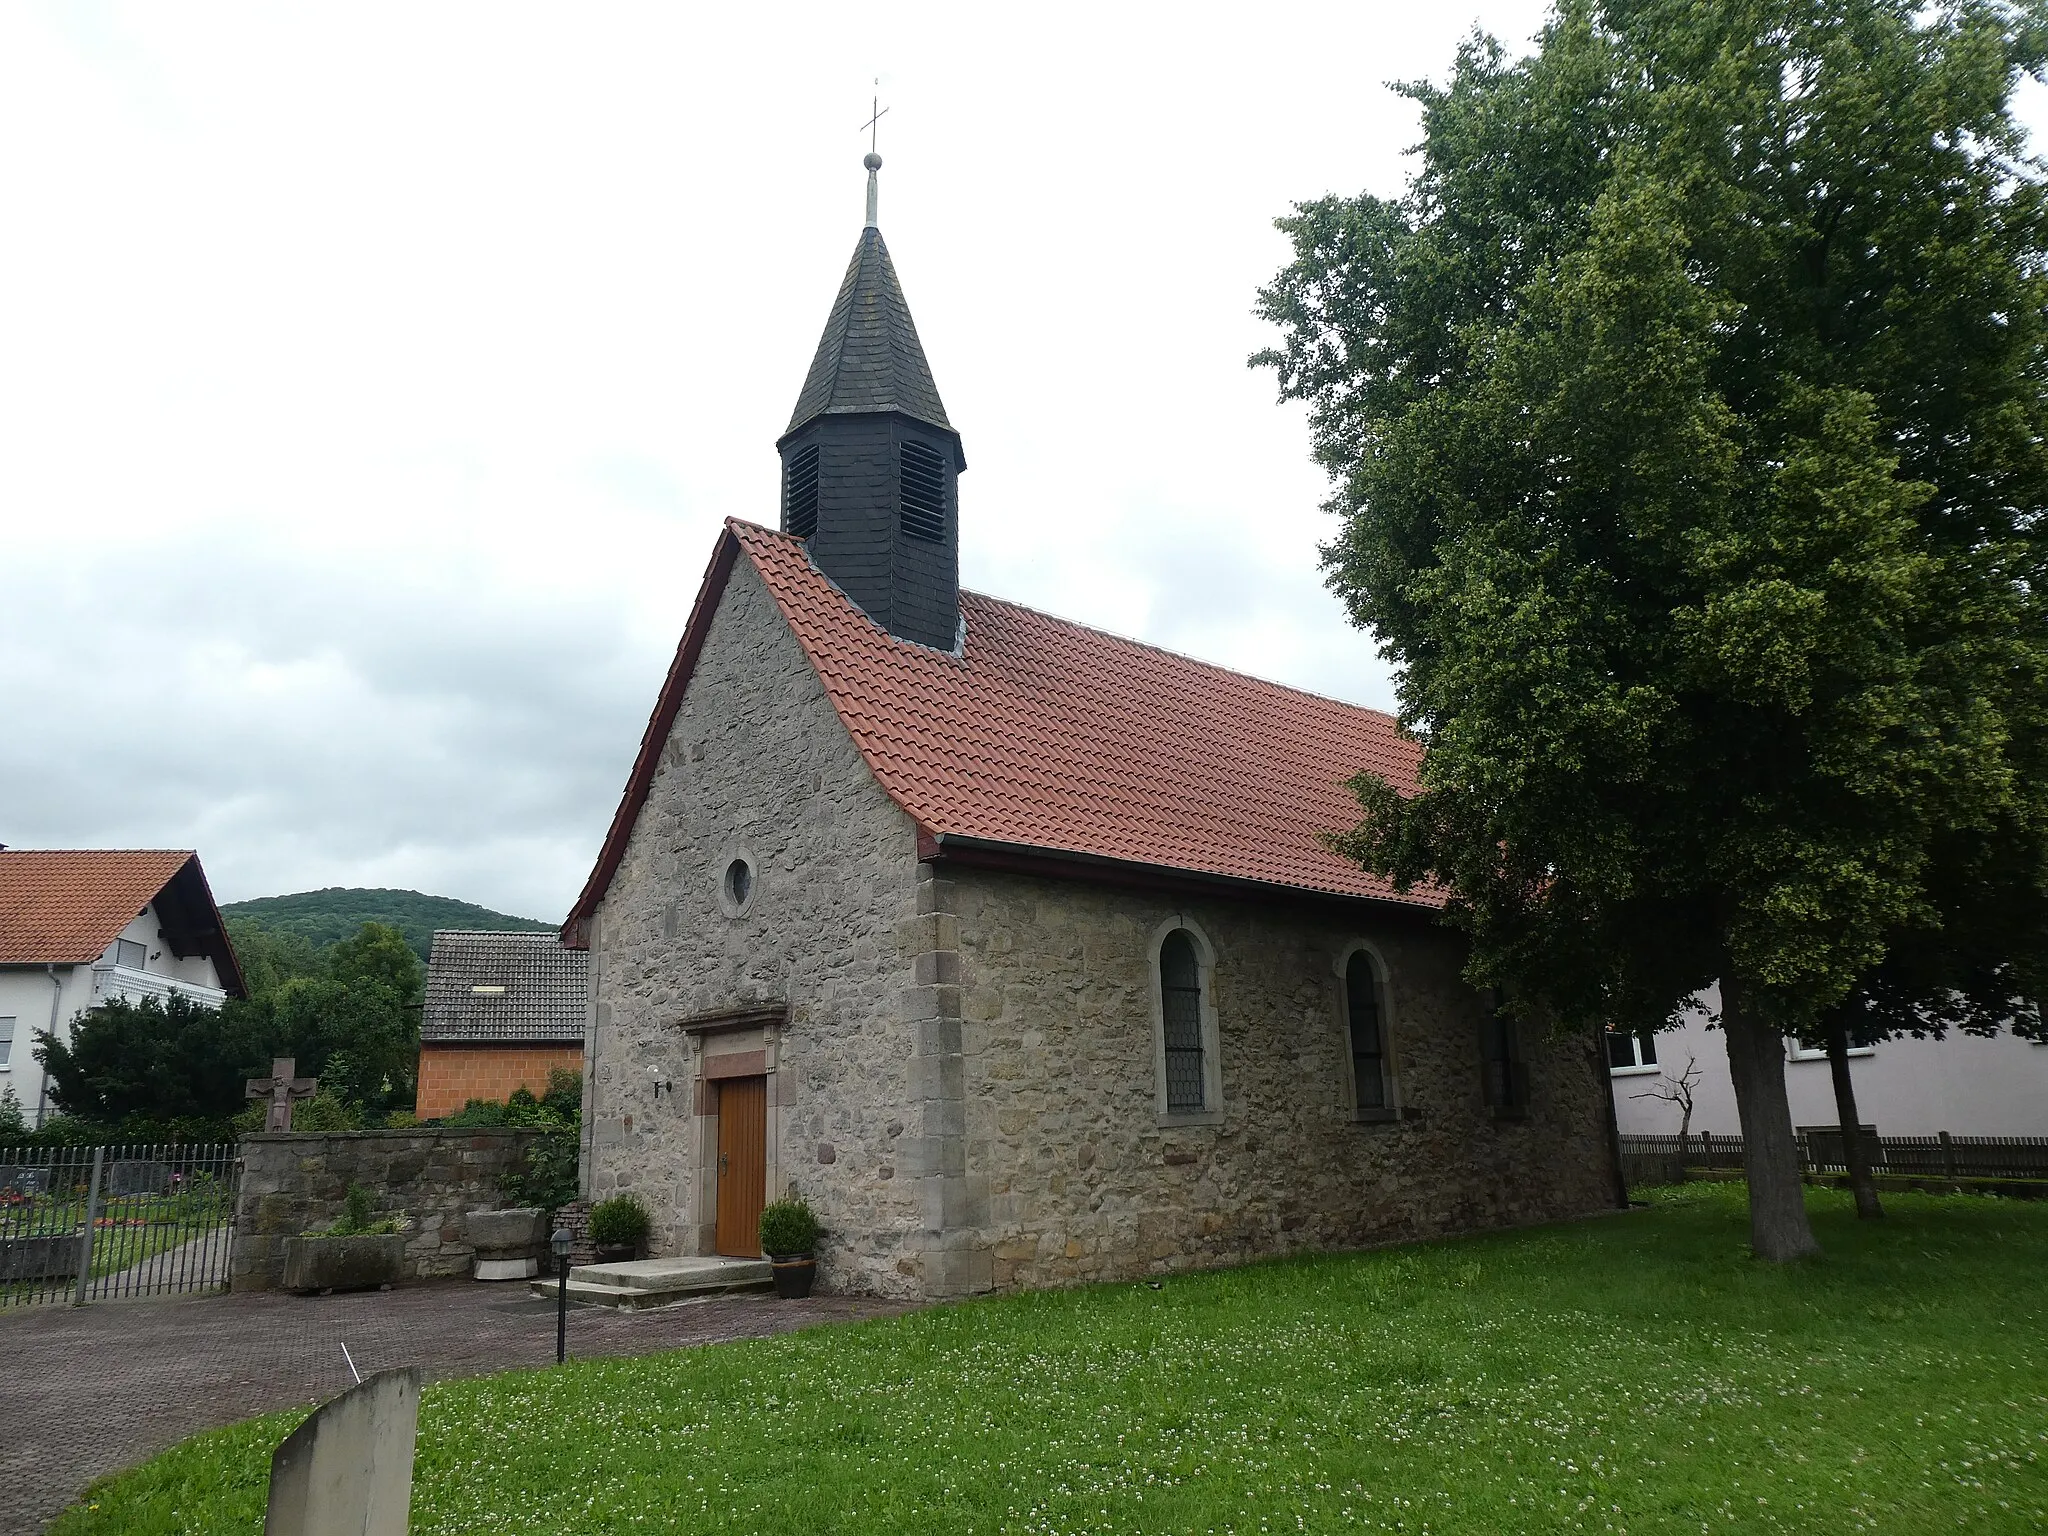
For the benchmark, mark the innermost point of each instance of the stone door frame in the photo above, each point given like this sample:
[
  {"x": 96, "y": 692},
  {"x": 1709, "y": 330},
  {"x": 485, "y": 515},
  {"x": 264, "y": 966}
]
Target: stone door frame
[{"x": 738, "y": 1042}]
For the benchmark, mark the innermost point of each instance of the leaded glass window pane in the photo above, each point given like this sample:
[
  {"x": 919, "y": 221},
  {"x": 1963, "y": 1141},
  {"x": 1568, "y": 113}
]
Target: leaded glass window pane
[
  {"x": 1180, "y": 994},
  {"x": 1507, "y": 1080},
  {"x": 1368, "y": 1045}
]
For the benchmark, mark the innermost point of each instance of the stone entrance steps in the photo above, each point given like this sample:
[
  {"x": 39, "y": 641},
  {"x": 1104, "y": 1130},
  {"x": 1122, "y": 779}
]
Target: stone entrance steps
[{"x": 658, "y": 1282}]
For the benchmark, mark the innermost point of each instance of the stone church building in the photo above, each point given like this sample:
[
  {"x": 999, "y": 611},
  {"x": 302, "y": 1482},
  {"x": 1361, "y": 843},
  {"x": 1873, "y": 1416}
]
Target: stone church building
[{"x": 1010, "y": 944}]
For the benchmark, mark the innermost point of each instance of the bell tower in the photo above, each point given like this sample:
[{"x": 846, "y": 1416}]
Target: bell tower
[{"x": 870, "y": 464}]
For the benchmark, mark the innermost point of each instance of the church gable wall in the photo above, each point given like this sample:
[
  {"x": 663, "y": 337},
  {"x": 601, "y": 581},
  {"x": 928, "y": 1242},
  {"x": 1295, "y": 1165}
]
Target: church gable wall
[
  {"x": 1076, "y": 1178},
  {"x": 759, "y": 766}
]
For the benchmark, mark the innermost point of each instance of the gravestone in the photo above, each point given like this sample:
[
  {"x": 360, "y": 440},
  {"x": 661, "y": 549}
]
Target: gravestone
[
  {"x": 347, "y": 1471},
  {"x": 139, "y": 1176},
  {"x": 24, "y": 1181}
]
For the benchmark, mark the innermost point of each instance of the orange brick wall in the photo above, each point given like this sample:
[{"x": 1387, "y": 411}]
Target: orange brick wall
[{"x": 452, "y": 1075}]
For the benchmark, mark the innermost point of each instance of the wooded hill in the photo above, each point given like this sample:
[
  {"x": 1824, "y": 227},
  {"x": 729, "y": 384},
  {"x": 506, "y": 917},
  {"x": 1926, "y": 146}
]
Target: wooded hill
[{"x": 321, "y": 917}]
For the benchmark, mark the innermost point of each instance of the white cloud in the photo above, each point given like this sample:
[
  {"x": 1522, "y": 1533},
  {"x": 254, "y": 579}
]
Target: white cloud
[{"x": 373, "y": 380}]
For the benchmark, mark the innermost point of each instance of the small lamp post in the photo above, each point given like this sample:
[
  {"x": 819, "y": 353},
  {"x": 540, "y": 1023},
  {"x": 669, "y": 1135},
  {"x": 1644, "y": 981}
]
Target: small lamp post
[{"x": 560, "y": 1243}]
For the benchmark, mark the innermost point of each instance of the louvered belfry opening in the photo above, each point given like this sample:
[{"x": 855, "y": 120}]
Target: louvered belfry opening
[
  {"x": 871, "y": 465},
  {"x": 800, "y": 492},
  {"x": 923, "y": 477}
]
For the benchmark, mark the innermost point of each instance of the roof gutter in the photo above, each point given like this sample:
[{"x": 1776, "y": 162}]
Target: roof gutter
[{"x": 1027, "y": 859}]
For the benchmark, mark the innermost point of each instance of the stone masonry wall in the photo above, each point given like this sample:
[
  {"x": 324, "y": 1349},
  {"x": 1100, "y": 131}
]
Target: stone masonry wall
[
  {"x": 293, "y": 1182},
  {"x": 1082, "y": 1181},
  {"x": 758, "y": 766}
]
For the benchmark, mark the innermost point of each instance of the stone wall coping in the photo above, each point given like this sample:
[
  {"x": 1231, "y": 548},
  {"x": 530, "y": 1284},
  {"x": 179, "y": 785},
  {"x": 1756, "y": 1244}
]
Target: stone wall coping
[{"x": 440, "y": 1131}]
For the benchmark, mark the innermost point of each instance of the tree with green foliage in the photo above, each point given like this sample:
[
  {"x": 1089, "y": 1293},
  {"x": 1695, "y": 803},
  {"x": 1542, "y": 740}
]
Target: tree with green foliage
[
  {"x": 1976, "y": 961},
  {"x": 329, "y": 916},
  {"x": 349, "y": 1018},
  {"x": 358, "y": 1037},
  {"x": 154, "y": 1060},
  {"x": 1687, "y": 418},
  {"x": 269, "y": 958},
  {"x": 378, "y": 952}
]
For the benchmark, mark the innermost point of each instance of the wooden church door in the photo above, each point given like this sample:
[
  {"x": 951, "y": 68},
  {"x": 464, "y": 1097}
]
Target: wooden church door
[{"x": 742, "y": 1164}]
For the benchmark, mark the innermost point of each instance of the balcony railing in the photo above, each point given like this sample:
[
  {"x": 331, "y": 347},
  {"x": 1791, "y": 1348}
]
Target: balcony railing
[{"x": 126, "y": 982}]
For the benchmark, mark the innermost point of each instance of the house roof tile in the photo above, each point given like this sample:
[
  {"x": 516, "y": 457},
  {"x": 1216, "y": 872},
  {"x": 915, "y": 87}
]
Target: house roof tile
[{"x": 64, "y": 906}]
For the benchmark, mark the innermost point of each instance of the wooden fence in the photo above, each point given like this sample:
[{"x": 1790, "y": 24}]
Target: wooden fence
[{"x": 1665, "y": 1160}]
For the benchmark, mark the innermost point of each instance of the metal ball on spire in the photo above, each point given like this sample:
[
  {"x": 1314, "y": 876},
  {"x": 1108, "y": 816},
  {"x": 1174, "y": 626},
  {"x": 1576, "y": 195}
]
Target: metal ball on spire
[{"x": 871, "y": 160}]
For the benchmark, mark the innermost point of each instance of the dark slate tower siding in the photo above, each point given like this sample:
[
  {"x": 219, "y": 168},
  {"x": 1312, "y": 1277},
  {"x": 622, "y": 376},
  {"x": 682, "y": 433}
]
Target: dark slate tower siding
[{"x": 869, "y": 392}]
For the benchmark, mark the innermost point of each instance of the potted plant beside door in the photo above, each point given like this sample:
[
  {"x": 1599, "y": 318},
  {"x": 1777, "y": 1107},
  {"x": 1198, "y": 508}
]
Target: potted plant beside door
[
  {"x": 618, "y": 1228},
  {"x": 789, "y": 1236}
]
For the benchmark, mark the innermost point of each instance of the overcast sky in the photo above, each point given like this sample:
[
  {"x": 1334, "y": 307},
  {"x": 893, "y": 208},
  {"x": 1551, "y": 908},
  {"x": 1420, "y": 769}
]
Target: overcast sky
[{"x": 373, "y": 378}]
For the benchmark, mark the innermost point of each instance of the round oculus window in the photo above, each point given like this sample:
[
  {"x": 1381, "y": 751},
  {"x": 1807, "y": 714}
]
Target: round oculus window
[{"x": 739, "y": 882}]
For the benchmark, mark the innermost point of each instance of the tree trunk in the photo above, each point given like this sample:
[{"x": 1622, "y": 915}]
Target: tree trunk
[
  {"x": 1613, "y": 1124},
  {"x": 1778, "y": 1229},
  {"x": 1855, "y": 1151}
]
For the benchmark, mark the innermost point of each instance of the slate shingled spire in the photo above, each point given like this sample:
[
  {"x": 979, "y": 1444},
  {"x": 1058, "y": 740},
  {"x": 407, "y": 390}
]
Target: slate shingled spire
[
  {"x": 870, "y": 462},
  {"x": 869, "y": 358}
]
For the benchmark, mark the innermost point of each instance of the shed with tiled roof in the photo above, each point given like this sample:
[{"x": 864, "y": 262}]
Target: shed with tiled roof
[{"x": 504, "y": 1010}]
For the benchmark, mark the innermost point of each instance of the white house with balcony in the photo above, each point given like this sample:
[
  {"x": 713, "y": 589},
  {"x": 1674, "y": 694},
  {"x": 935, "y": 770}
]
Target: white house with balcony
[
  {"x": 81, "y": 927},
  {"x": 1967, "y": 1085}
]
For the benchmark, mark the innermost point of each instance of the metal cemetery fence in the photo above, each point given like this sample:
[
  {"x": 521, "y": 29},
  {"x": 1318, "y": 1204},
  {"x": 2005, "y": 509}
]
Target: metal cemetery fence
[
  {"x": 82, "y": 1224},
  {"x": 1665, "y": 1160}
]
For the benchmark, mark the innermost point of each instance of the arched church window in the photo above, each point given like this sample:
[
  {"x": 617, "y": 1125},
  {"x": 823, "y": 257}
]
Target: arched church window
[
  {"x": 924, "y": 493},
  {"x": 800, "y": 493},
  {"x": 1366, "y": 1024},
  {"x": 1180, "y": 997},
  {"x": 1504, "y": 1075}
]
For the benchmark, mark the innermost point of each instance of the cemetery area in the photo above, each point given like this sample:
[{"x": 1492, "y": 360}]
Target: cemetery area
[
  {"x": 1630, "y": 1374},
  {"x": 54, "y": 1220}
]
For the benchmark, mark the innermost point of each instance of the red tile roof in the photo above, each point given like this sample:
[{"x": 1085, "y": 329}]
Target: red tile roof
[
  {"x": 1050, "y": 736},
  {"x": 65, "y": 906}
]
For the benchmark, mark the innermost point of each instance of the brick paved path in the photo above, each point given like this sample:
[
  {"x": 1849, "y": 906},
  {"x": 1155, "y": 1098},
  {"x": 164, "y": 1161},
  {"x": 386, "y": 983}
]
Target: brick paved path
[{"x": 87, "y": 1391}]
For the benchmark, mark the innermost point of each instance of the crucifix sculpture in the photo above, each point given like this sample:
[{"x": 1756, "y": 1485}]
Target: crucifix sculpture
[{"x": 280, "y": 1088}]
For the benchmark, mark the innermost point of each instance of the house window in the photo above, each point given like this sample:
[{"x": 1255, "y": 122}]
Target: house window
[
  {"x": 1180, "y": 1005},
  {"x": 800, "y": 493},
  {"x": 1801, "y": 1051},
  {"x": 1631, "y": 1050},
  {"x": 924, "y": 493},
  {"x": 1503, "y": 1075},
  {"x": 6, "y": 1044},
  {"x": 130, "y": 954},
  {"x": 1365, "y": 1023}
]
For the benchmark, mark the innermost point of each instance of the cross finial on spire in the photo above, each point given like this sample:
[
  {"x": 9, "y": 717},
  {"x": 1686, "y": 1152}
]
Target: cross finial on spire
[{"x": 872, "y": 160}]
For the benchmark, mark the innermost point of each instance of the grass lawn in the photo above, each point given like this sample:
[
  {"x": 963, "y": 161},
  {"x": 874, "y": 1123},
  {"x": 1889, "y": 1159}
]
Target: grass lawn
[{"x": 1637, "y": 1374}]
